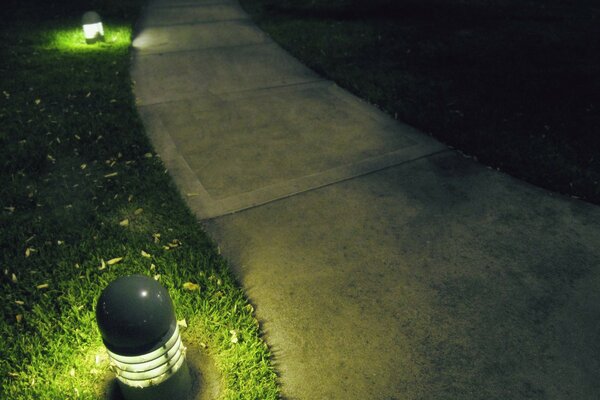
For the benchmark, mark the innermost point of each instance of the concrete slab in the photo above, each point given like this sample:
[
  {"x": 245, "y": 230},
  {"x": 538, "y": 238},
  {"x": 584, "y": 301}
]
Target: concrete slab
[
  {"x": 272, "y": 136},
  {"x": 198, "y": 74},
  {"x": 257, "y": 146},
  {"x": 167, "y": 39},
  {"x": 246, "y": 123},
  {"x": 163, "y": 16},
  {"x": 437, "y": 279}
]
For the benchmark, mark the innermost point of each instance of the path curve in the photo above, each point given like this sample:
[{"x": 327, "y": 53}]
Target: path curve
[{"x": 382, "y": 265}]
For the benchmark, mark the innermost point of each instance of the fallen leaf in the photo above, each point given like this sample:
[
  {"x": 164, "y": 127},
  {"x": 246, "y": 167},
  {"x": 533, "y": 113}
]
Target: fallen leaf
[
  {"x": 156, "y": 277},
  {"x": 148, "y": 155},
  {"x": 42, "y": 286},
  {"x": 113, "y": 261},
  {"x": 111, "y": 175},
  {"x": 13, "y": 278},
  {"x": 83, "y": 166},
  {"x": 19, "y": 302},
  {"x": 60, "y": 242},
  {"x": 72, "y": 372},
  {"x": 38, "y": 101},
  {"x": 182, "y": 323},
  {"x": 125, "y": 222},
  {"x": 138, "y": 211},
  {"x": 152, "y": 267},
  {"x": 191, "y": 286},
  {"x": 130, "y": 198},
  {"x": 147, "y": 255},
  {"x": 10, "y": 209},
  {"x": 19, "y": 318},
  {"x": 174, "y": 243},
  {"x": 156, "y": 237},
  {"x": 29, "y": 251},
  {"x": 102, "y": 265},
  {"x": 234, "y": 336}
]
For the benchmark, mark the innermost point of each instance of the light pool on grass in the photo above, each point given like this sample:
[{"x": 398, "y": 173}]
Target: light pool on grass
[
  {"x": 75, "y": 166},
  {"x": 116, "y": 37}
]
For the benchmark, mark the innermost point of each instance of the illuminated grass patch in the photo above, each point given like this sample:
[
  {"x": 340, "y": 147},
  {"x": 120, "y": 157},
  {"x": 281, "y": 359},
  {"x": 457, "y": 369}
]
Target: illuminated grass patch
[
  {"x": 83, "y": 200},
  {"x": 72, "y": 39}
]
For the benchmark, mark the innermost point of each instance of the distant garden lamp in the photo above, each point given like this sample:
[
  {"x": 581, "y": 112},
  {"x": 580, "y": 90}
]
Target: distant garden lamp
[
  {"x": 92, "y": 27},
  {"x": 137, "y": 322}
]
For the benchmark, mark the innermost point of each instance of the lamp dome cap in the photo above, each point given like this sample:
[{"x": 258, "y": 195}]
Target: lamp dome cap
[
  {"x": 135, "y": 315},
  {"x": 91, "y": 17}
]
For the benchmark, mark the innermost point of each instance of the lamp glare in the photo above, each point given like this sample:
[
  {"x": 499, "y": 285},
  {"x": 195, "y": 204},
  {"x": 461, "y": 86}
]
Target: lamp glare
[{"x": 93, "y": 31}]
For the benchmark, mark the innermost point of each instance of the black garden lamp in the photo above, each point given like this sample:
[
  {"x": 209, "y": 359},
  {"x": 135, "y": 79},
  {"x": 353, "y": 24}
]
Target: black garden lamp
[{"x": 137, "y": 321}]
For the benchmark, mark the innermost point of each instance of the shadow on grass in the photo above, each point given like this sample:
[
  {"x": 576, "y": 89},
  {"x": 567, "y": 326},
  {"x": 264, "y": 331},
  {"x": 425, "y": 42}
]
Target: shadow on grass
[
  {"x": 473, "y": 12},
  {"x": 513, "y": 83}
]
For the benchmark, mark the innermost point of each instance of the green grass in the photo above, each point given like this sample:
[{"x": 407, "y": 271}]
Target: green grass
[
  {"x": 513, "y": 83},
  {"x": 74, "y": 164}
]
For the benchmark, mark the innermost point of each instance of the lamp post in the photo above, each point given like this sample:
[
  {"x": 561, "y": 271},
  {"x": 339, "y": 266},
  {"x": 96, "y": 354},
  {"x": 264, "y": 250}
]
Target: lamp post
[
  {"x": 92, "y": 27},
  {"x": 137, "y": 321}
]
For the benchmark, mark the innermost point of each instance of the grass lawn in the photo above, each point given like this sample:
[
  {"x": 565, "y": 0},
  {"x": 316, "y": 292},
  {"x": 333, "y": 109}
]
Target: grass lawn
[
  {"x": 513, "y": 83},
  {"x": 84, "y": 200}
]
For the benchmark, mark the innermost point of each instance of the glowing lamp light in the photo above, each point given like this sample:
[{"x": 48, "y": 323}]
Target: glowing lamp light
[
  {"x": 137, "y": 322},
  {"x": 92, "y": 27}
]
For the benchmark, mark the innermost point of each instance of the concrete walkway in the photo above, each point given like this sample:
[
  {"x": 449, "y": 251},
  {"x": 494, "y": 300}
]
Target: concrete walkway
[{"x": 382, "y": 265}]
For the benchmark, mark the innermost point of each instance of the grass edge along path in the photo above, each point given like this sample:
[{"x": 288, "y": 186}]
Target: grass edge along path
[
  {"x": 84, "y": 200},
  {"x": 513, "y": 84}
]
